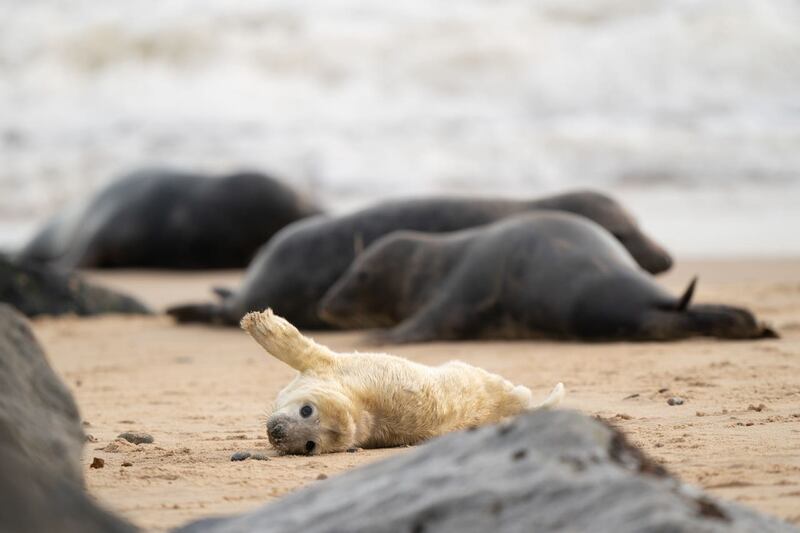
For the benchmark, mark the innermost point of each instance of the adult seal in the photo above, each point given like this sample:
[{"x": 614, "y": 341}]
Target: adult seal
[
  {"x": 544, "y": 274},
  {"x": 293, "y": 271},
  {"x": 161, "y": 218}
]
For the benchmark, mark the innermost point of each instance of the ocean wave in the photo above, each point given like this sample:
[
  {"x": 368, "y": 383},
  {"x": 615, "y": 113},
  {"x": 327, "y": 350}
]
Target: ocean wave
[{"x": 352, "y": 100}]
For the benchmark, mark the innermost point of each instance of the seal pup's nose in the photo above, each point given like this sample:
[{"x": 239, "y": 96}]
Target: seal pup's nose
[{"x": 276, "y": 430}]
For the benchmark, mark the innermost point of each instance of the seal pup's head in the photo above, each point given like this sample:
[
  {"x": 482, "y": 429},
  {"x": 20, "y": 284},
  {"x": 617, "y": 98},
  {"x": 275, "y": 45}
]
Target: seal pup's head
[
  {"x": 314, "y": 413},
  {"x": 311, "y": 417}
]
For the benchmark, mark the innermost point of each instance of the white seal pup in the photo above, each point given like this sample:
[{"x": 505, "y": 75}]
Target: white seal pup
[{"x": 370, "y": 400}]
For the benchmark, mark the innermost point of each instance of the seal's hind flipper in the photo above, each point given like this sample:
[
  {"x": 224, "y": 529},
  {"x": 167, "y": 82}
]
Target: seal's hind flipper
[
  {"x": 223, "y": 293},
  {"x": 201, "y": 313},
  {"x": 686, "y": 299}
]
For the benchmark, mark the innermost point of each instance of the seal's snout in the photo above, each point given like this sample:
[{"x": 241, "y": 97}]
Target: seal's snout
[{"x": 276, "y": 430}]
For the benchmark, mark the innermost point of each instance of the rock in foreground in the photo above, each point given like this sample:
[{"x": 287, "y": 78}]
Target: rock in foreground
[
  {"x": 543, "y": 472},
  {"x": 40, "y": 290},
  {"x": 41, "y": 481}
]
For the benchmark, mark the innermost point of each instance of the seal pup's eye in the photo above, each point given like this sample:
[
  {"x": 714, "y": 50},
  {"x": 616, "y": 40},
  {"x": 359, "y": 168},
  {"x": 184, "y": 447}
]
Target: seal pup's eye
[
  {"x": 305, "y": 412},
  {"x": 310, "y": 445}
]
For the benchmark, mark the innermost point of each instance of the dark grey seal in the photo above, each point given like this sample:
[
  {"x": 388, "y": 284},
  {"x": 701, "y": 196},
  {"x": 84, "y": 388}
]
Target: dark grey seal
[
  {"x": 170, "y": 219},
  {"x": 292, "y": 271},
  {"x": 533, "y": 275}
]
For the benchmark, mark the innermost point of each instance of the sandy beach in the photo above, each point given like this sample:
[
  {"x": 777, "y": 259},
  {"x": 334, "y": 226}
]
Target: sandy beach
[{"x": 203, "y": 393}]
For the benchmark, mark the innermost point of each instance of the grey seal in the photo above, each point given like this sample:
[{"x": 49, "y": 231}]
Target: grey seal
[
  {"x": 542, "y": 274},
  {"x": 162, "y": 218}
]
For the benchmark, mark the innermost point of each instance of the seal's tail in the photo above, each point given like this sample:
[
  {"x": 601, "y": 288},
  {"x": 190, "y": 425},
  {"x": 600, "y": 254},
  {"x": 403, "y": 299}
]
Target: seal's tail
[
  {"x": 202, "y": 313},
  {"x": 555, "y": 397}
]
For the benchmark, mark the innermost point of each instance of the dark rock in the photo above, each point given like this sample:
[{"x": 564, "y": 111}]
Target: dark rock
[
  {"x": 97, "y": 463},
  {"x": 136, "y": 437},
  {"x": 547, "y": 471},
  {"x": 127, "y": 463},
  {"x": 320, "y": 477},
  {"x": 41, "y": 478},
  {"x": 259, "y": 457},
  {"x": 240, "y": 456},
  {"x": 675, "y": 400},
  {"x": 39, "y": 290}
]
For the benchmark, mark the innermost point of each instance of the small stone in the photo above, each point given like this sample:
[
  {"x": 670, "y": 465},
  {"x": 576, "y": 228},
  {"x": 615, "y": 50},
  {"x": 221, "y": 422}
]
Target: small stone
[
  {"x": 749, "y": 424},
  {"x": 119, "y": 446},
  {"x": 259, "y": 457},
  {"x": 127, "y": 463},
  {"x": 240, "y": 456},
  {"x": 700, "y": 413},
  {"x": 97, "y": 463},
  {"x": 353, "y": 450},
  {"x": 675, "y": 400},
  {"x": 322, "y": 476},
  {"x": 136, "y": 438},
  {"x": 663, "y": 390}
]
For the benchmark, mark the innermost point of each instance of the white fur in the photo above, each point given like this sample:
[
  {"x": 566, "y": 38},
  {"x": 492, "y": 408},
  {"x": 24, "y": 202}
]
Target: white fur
[{"x": 379, "y": 400}]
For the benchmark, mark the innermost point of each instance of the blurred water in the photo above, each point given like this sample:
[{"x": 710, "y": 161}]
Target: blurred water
[{"x": 687, "y": 109}]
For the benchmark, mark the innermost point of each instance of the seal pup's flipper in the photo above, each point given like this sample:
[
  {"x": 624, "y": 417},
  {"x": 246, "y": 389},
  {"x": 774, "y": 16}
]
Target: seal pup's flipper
[
  {"x": 553, "y": 399},
  {"x": 283, "y": 341}
]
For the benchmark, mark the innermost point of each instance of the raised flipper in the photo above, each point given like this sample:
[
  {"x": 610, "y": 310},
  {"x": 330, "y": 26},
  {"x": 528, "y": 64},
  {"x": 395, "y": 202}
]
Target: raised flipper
[
  {"x": 686, "y": 299},
  {"x": 283, "y": 341}
]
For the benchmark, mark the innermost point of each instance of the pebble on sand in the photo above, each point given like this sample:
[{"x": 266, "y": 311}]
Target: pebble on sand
[
  {"x": 240, "y": 456},
  {"x": 136, "y": 437},
  {"x": 675, "y": 400},
  {"x": 97, "y": 463},
  {"x": 259, "y": 457}
]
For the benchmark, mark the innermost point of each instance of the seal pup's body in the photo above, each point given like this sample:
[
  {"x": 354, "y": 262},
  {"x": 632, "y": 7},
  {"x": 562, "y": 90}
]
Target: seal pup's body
[{"x": 339, "y": 401}]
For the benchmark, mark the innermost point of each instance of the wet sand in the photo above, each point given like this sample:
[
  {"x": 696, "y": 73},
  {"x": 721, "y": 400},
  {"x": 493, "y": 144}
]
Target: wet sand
[{"x": 203, "y": 392}]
